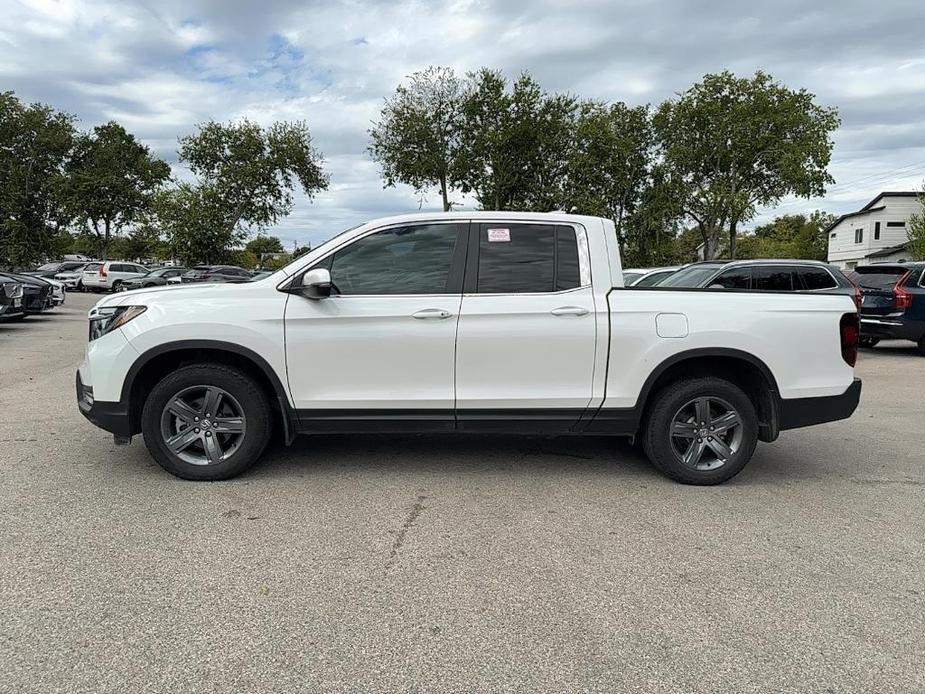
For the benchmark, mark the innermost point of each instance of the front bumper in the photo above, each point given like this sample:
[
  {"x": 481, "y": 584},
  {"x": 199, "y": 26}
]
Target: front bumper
[
  {"x": 804, "y": 412},
  {"x": 109, "y": 416}
]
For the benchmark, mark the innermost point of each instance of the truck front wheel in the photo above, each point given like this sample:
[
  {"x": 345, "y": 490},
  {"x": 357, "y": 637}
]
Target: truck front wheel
[
  {"x": 700, "y": 431},
  {"x": 206, "y": 422}
]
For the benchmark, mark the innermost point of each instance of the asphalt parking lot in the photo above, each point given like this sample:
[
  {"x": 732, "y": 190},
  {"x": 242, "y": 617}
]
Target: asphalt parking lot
[{"x": 444, "y": 564}]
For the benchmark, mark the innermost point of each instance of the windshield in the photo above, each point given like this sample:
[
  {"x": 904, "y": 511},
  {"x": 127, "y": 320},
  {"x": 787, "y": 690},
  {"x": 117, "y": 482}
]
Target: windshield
[
  {"x": 878, "y": 277},
  {"x": 690, "y": 277},
  {"x": 654, "y": 278},
  {"x": 630, "y": 277},
  {"x": 48, "y": 266}
]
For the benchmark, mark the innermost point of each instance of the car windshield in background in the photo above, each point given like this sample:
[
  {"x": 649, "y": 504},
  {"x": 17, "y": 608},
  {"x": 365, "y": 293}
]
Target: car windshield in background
[
  {"x": 689, "y": 277},
  {"x": 877, "y": 278},
  {"x": 630, "y": 277},
  {"x": 653, "y": 279}
]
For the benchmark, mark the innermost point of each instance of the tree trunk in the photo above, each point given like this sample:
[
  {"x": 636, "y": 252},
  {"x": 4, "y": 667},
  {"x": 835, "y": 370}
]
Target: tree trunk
[
  {"x": 732, "y": 238},
  {"x": 446, "y": 200}
]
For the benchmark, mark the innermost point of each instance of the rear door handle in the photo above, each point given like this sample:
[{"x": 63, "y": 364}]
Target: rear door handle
[
  {"x": 430, "y": 313},
  {"x": 569, "y": 311}
]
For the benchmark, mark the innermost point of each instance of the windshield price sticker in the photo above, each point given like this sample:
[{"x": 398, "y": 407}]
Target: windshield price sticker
[{"x": 499, "y": 235}]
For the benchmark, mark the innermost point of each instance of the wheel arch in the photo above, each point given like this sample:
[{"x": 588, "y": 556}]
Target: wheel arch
[
  {"x": 742, "y": 368},
  {"x": 153, "y": 363}
]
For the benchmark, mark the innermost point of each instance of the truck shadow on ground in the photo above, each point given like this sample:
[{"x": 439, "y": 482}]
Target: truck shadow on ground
[{"x": 493, "y": 454}]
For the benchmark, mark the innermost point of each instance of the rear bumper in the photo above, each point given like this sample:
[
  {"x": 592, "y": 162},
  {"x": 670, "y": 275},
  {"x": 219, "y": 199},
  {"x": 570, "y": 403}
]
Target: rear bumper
[
  {"x": 109, "y": 416},
  {"x": 804, "y": 412}
]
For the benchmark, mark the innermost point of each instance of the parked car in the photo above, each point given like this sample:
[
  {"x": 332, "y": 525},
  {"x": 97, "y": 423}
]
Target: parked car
[
  {"x": 216, "y": 273},
  {"x": 764, "y": 275},
  {"x": 58, "y": 291},
  {"x": 37, "y": 293},
  {"x": 892, "y": 302},
  {"x": 647, "y": 277},
  {"x": 110, "y": 274},
  {"x": 51, "y": 270},
  {"x": 72, "y": 279},
  {"x": 260, "y": 274},
  {"x": 466, "y": 321},
  {"x": 155, "y": 278},
  {"x": 11, "y": 293}
]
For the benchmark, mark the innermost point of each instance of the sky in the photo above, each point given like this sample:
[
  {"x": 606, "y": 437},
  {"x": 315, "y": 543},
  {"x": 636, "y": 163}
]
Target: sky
[{"x": 160, "y": 67}]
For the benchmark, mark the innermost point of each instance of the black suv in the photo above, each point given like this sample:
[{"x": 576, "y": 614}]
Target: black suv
[{"x": 892, "y": 302}]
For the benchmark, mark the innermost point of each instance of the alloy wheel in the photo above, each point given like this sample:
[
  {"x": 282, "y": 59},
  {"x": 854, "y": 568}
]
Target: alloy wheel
[
  {"x": 203, "y": 425},
  {"x": 705, "y": 433}
]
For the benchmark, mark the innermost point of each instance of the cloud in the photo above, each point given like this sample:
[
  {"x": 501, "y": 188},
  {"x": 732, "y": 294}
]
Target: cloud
[{"x": 162, "y": 67}]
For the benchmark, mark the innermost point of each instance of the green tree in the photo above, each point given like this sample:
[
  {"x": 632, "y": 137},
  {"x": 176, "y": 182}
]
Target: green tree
[
  {"x": 790, "y": 236},
  {"x": 301, "y": 250},
  {"x": 416, "y": 138},
  {"x": 514, "y": 143},
  {"x": 738, "y": 143},
  {"x": 653, "y": 226},
  {"x": 191, "y": 217},
  {"x": 609, "y": 161},
  {"x": 916, "y": 232},
  {"x": 248, "y": 173},
  {"x": 263, "y": 244},
  {"x": 110, "y": 181},
  {"x": 35, "y": 141}
]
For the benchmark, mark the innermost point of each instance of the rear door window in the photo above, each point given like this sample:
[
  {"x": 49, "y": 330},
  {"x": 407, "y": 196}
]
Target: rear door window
[
  {"x": 527, "y": 258},
  {"x": 772, "y": 279},
  {"x": 815, "y": 278}
]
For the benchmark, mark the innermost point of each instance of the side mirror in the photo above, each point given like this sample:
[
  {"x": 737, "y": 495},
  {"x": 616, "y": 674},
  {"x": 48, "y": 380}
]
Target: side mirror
[{"x": 316, "y": 283}]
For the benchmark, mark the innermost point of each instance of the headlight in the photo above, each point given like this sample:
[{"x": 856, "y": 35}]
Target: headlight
[{"x": 108, "y": 319}]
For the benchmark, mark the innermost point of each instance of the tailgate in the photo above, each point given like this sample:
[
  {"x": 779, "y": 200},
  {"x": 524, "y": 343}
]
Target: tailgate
[{"x": 877, "y": 284}]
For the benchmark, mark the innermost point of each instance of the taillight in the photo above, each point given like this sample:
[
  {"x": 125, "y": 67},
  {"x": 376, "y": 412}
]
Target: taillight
[
  {"x": 858, "y": 296},
  {"x": 102, "y": 271},
  {"x": 901, "y": 298},
  {"x": 849, "y": 330}
]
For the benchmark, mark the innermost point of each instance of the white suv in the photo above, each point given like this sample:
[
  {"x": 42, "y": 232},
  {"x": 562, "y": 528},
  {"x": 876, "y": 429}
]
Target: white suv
[{"x": 110, "y": 274}]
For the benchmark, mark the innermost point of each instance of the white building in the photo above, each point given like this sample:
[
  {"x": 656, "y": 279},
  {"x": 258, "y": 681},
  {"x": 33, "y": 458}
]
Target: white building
[{"x": 875, "y": 233}]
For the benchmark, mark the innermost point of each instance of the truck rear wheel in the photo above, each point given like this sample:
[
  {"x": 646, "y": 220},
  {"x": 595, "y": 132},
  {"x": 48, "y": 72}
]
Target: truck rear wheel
[
  {"x": 206, "y": 422},
  {"x": 700, "y": 431}
]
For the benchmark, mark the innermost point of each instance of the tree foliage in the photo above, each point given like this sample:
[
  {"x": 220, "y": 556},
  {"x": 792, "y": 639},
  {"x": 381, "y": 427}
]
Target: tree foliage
[
  {"x": 263, "y": 244},
  {"x": 789, "y": 236},
  {"x": 514, "y": 143},
  {"x": 249, "y": 173},
  {"x": 416, "y": 139},
  {"x": 190, "y": 216},
  {"x": 609, "y": 162},
  {"x": 916, "y": 232},
  {"x": 109, "y": 182},
  {"x": 738, "y": 143},
  {"x": 35, "y": 142}
]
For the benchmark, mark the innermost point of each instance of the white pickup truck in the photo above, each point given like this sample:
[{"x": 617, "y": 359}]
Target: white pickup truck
[{"x": 466, "y": 322}]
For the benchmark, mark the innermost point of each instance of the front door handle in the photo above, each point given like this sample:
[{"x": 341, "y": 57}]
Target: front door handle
[
  {"x": 431, "y": 313},
  {"x": 569, "y": 311}
]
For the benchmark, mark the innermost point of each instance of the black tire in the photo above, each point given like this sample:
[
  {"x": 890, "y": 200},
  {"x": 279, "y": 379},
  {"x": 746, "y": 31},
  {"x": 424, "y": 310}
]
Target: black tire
[
  {"x": 245, "y": 393},
  {"x": 868, "y": 342},
  {"x": 676, "y": 402},
  {"x": 922, "y": 345}
]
